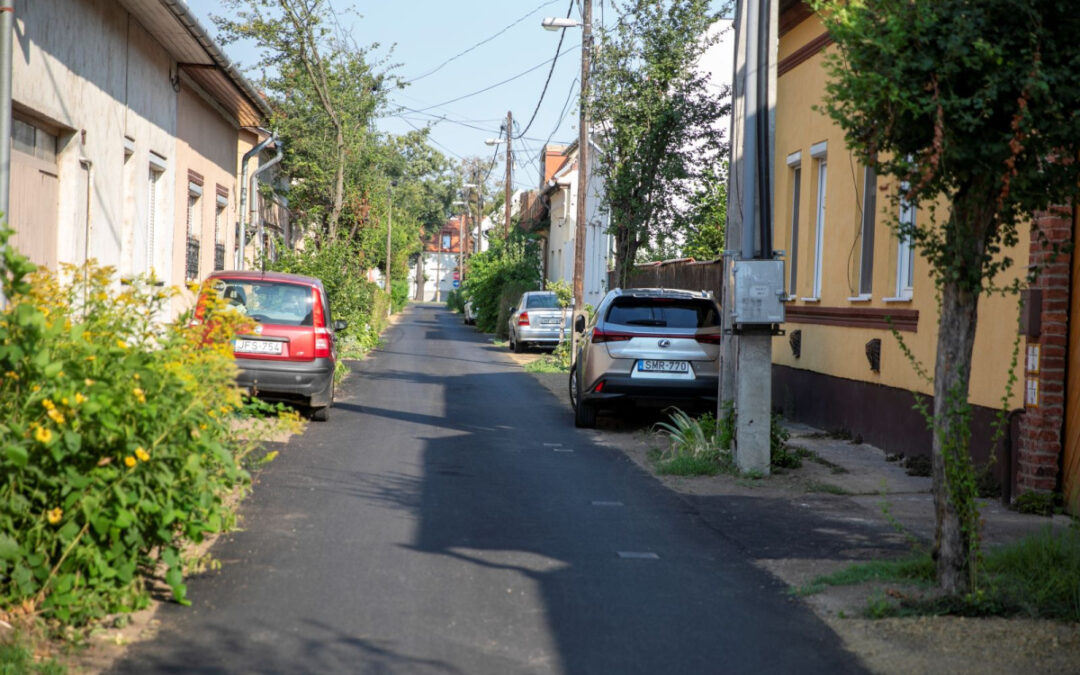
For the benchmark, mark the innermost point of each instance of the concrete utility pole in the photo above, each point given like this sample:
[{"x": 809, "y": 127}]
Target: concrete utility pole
[
  {"x": 509, "y": 161},
  {"x": 746, "y": 377}
]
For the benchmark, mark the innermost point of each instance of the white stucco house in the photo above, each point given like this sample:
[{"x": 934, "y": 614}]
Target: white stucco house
[{"x": 128, "y": 127}]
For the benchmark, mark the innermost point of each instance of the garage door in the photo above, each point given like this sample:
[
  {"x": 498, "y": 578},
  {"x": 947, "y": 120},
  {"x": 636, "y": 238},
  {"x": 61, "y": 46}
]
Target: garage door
[{"x": 35, "y": 192}]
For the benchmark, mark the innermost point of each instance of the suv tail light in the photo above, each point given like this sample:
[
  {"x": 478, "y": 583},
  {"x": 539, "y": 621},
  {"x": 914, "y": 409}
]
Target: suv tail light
[
  {"x": 523, "y": 319},
  {"x": 323, "y": 340},
  {"x": 711, "y": 339},
  {"x": 599, "y": 336}
]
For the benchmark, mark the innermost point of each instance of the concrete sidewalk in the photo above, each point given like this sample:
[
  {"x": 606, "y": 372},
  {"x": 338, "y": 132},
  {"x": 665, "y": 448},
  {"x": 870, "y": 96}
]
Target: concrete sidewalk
[{"x": 875, "y": 484}]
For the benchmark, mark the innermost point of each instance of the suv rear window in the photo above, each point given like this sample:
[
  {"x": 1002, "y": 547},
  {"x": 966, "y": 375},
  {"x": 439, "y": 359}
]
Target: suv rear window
[
  {"x": 267, "y": 301},
  {"x": 544, "y": 301},
  {"x": 663, "y": 312}
]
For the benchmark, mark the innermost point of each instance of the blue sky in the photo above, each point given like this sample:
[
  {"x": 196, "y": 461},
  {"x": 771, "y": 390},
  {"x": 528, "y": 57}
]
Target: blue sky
[{"x": 423, "y": 35}]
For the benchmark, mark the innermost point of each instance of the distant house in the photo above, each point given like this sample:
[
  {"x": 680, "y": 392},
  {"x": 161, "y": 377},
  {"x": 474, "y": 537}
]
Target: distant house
[
  {"x": 554, "y": 217},
  {"x": 437, "y": 272},
  {"x": 129, "y": 124},
  {"x": 851, "y": 281}
]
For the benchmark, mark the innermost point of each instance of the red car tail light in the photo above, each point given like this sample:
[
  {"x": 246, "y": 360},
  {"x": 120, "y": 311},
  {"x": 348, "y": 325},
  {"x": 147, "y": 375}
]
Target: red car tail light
[
  {"x": 599, "y": 336},
  {"x": 323, "y": 340},
  {"x": 599, "y": 387},
  {"x": 712, "y": 339},
  {"x": 523, "y": 319}
]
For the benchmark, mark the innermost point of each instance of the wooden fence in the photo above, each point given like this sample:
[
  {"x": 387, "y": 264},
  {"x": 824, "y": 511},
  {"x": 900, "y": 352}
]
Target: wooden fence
[{"x": 686, "y": 273}]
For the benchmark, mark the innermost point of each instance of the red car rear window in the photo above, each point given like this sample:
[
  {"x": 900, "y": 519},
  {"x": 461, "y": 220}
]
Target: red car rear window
[{"x": 269, "y": 302}]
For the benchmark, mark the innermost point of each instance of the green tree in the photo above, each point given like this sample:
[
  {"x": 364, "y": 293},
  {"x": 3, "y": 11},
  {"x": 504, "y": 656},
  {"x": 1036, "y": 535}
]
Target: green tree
[
  {"x": 658, "y": 120},
  {"x": 325, "y": 95},
  {"x": 974, "y": 104},
  {"x": 704, "y": 233}
]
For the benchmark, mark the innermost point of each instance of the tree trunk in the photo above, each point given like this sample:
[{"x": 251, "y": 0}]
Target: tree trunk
[
  {"x": 339, "y": 181},
  {"x": 626, "y": 248},
  {"x": 956, "y": 524},
  {"x": 952, "y": 371}
]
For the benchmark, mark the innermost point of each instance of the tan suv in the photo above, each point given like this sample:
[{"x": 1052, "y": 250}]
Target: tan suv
[{"x": 648, "y": 346}]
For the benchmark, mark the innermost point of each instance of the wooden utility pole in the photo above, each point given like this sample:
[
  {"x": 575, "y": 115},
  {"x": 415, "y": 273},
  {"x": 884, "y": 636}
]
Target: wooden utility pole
[
  {"x": 583, "y": 162},
  {"x": 509, "y": 161}
]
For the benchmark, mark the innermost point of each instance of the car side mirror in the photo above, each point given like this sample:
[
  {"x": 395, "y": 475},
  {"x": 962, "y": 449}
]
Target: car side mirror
[
  {"x": 340, "y": 324},
  {"x": 513, "y": 309},
  {"x": 579, "y": 324}
]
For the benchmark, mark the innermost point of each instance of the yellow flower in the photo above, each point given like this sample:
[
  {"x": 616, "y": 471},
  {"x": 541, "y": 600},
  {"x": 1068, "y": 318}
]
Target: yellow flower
[
  {"x": 79, "y": 398},
  {"x": 91, "y": 358},
  {"x": 140, "y": 395},
  {"x": 143, "y": 455},
  {"x": 49, "y": 405},
  {"x": 129, "y": 461},
  {"x": 88, "y": 382},
  {"x": 136, "y": 376},
  {"x": 12, "y": 374},
  {"x": 203, "y": 427},
  {"x": 42, "y": 435},
  {"x": 36, "y": 388},
  {"x": 60, "y": 374},
  {"x": 121, "y": 344},
  {"x": 55, "y": 515},
  {"x": 64, "y": 401},
  {"x": 55, "y": 416}
]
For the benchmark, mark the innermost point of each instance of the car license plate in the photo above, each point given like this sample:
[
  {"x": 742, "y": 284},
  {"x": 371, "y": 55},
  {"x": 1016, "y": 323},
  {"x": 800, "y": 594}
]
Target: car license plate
[
  {"x": 257, "y": 347},
  {"x": 549, "y": 319},
  {"x": 651, "y": 366}
]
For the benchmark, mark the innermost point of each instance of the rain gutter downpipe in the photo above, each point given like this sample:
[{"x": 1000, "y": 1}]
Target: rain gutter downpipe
[
  {"x": 244, "y": 196},
  {"x": 7, "y": 38},
  {"x": 256, "y": 221}
]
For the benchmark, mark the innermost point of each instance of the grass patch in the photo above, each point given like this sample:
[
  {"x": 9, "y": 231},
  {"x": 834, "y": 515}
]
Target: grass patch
[
  {"x": 914, "y": 569},
  {"x": 828, "y": 488},
  {"x": 1037, "y": 576},
  {"x": 832, "y": 466},
  {"x": 546, "y": 364},
  {"x": 687, "y": 465},
  {"x": 17, "y": 658}
]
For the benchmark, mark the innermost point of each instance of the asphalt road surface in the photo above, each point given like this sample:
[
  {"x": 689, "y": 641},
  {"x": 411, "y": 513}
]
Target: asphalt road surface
[{"x": 449, "y": 518}]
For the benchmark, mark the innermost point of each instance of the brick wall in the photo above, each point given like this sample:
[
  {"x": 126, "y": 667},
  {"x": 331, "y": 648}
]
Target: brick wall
[{"x": 1041, "y": 427}]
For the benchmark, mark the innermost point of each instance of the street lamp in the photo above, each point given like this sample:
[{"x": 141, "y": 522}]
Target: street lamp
[{"x": 558, "y": 23}]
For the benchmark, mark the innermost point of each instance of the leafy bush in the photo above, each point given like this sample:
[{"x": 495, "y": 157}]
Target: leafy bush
[
  {"x": 508, "y": 267},
  {"x": 399, "y": 295},
  {"x": 115, "y": 440},
  {"x": 455, "y": 301},
  {"x": 361, "y": 303},
  {"x": 509, "y": 296}
]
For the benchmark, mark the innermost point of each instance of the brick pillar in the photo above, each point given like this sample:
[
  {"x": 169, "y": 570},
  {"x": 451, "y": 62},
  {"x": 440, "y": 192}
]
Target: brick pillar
[{"x": 1040, "y": 443}]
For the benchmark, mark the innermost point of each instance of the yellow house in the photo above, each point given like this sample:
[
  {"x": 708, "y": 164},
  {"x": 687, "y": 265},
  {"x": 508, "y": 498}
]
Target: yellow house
[{"x": 851, "y": 281}]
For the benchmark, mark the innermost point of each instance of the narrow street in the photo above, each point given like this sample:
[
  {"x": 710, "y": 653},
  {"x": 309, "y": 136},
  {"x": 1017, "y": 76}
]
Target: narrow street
[{"x": 449, "y": 518}]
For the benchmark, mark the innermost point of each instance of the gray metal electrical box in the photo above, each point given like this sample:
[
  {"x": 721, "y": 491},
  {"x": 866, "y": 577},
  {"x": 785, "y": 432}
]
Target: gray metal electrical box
[{"x": 759, "y": 292}]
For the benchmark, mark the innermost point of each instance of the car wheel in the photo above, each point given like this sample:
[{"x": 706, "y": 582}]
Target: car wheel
[
  {"x": 322, "y": 413},
  {"x": 584, "y": 413},
  {"x": 519, "y": 346}
]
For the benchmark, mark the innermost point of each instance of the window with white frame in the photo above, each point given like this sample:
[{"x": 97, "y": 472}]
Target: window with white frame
[
  {"x": 219, "y": 230},
  {"x": 905, "y": 260},
  {"x": 819, "y": 153},
  {"x": 153, "y": 202},
  {"x": 194, "y": 229}
]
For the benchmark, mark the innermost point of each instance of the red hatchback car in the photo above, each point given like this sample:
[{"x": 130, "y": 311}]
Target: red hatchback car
[{"x": 291, "y": 353}]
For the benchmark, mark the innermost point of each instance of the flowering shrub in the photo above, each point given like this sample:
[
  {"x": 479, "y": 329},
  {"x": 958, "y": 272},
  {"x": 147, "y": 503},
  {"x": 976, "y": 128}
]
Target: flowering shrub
[{"x": 115, "y": 444}]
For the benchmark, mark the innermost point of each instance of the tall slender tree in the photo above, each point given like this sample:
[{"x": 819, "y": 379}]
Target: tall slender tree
[{"x": 656, "y": 118}]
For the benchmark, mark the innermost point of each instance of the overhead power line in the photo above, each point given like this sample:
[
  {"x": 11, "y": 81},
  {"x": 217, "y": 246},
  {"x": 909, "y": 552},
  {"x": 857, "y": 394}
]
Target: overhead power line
[
  {"x": 478, "y": 44},
  {"x": 497, "y": 84}
]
